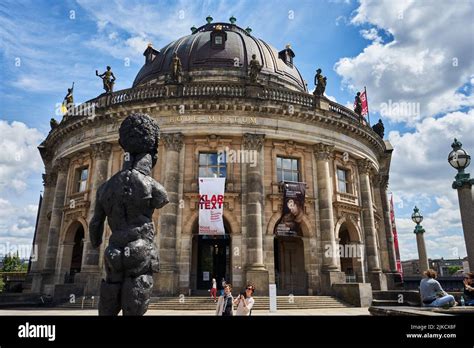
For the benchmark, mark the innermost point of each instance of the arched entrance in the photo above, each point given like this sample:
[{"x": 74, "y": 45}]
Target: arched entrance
[
  {"x": 350, "y": 253},
  {"x": 73, "y": 247},
  {"x": 290, "y": 274},
  {"x": 211, "y": 258}
]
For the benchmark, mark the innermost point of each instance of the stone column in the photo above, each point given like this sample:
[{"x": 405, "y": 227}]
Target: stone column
[
  {"x": 382, "y": 234},
  {"x": 256, "y": 271},
  {"x": 167, "y": 281},
  {"x": 423, "y": 264},
  {"x": 466, "y": 206},
  {"x": 392, "y": 257},
  {"x": 90, "y": 271},
  {"x": 374, "y": 271},
  {"x": 331, "y": 271},
  {"x": 39, "y": 248},
  {"x": 61, "y": 166}
]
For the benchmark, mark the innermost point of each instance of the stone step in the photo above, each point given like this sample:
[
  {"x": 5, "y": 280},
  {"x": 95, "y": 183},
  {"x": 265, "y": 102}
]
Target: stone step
[{"x": 204, "y": 303}]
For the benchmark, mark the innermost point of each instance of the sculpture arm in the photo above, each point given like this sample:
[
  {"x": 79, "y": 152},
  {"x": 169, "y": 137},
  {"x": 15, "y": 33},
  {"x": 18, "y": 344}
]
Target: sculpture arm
[
  {"x": 96, "y": 226},
  {"x": 159, "y": 196}
]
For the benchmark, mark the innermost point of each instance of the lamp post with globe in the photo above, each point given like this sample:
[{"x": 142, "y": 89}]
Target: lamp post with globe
[
  {"x": 459, "y": 159},
  {"x": 420, "y": 240}
]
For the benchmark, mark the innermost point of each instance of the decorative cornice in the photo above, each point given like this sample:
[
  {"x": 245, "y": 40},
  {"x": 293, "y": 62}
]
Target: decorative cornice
[
  {"x": 323, "y": 151},
  {"x": 364, "y": 165},
  {"x": 173, "y": 141},
  {"x": 49, "y": 179},
  {"x": 253, "y": 141},
  {"x": 61, "y": 164},
  {"x": 101, "y": 150}
]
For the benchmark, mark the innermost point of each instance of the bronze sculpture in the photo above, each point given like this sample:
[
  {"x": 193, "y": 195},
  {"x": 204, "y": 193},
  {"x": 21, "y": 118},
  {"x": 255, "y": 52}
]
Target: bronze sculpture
[
  {"x": 255, "y": 68},
  {"x": 68, "y": 102},
  {"x": 358, "y": 104},
  {"x": 108, "y": 79},
  {"x": 379, "y": 128},
  {"x": 320, "y": 83},
  {"x": 128, "y": 200},
  {"x": 176, "y": 69}
]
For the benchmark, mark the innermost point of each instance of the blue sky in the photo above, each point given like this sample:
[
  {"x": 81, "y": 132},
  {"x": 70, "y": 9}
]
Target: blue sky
[{"x": 418, "y": 53}]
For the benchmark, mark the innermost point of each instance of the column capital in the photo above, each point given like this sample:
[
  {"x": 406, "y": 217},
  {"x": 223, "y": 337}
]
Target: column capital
[
  {"x": 101, "y": 150},
  {"x": 364, "y": 165},
  {"x": 173, "y": 141},
  {"x": 323, "y": 151},
  {"x": 253, "y": 141},
  {"x": 61, "y": 164},
  {"x": 49, "y": 179}
]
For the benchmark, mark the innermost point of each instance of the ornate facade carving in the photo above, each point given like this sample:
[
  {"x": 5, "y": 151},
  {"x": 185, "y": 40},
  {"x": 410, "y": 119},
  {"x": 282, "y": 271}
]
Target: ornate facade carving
[
  {"x": 365, "y": 166},
  {"x": 173, "y": 141},
  {"x": 101, "y": 150},
  {"x": 253, "y": 141},
  {"x": 323, "y": 151}
]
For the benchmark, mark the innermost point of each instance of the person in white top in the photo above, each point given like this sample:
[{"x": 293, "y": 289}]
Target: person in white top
[{"x": 245, "y": 302}]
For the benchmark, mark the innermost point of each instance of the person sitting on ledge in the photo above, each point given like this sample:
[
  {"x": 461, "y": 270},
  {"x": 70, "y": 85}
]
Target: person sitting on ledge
[
  {"x": 432, "y": 294},
  {"x": 469, "y": 289}
]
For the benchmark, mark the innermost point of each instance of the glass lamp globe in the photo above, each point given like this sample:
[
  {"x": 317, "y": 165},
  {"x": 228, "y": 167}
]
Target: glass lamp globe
[
  {"x": 458, "y": 158},
  {"x": 416, "y": 216}
]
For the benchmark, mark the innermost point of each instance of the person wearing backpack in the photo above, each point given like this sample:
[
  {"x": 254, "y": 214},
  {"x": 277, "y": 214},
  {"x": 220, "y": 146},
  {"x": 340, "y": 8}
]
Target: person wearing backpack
[{"x": 225, "y": 303}]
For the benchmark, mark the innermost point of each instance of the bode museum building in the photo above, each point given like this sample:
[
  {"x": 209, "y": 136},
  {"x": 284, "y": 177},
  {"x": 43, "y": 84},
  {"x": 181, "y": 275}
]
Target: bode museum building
[{"x": 305, "y": 201}]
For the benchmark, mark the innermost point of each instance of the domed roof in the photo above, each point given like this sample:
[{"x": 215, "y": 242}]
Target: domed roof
[{"x": 218, "y": 52}]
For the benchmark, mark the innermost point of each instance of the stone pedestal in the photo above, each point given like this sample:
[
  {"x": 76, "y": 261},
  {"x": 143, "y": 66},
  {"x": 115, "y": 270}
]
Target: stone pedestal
[
  {"x": 466, "y": 206},
  {"x": 321, "y": 103},
  {"x": 174, "y": 90},
  {"x": 254, "y": 91},
  {"x": 260, "y": 279},
  {"x": 378, "y": 280},
  {"x": 422, "y": 257},
  {"x": 329, "y": 278}
]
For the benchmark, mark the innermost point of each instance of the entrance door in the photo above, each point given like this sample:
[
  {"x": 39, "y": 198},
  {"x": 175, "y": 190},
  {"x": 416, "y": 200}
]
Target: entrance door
[
  {"x": 289, "y": 265},
  {"x": 213, "y": 260}
]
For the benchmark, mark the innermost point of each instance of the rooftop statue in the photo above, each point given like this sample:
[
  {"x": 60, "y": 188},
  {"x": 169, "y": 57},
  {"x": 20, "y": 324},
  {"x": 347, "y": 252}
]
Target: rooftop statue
[
  {"x": 176, "y": 69},
  {"x": 379, "y": 128},
  {"x": 68, "y": 102},
  {"x": 320, "y": 83},
  {"x": 358, "y": 104},
  {"x": 255, "y": 68},
  {"x": 128, "y": 200},
  {"x": 108, "y": 79},
  {"x": 53, "y": 123}
]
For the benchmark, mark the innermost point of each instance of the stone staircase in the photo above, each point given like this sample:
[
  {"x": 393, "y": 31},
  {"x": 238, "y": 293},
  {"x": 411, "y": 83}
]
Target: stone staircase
[
  {"x": 396, "y": 298},
  {"x": 204, "y": 303}
]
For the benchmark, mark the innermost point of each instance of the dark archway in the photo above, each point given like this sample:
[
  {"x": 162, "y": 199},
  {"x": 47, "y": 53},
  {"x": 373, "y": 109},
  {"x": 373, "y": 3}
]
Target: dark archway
[{"x": 211, "y": 258}]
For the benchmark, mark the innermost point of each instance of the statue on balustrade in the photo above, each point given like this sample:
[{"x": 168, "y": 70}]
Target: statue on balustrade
[
  {"x": 320, "y": 83},
  {"x": 379, "y": 128},
  {"x": 128, "y": 200},
  {"x": 255, "y": 68},
  {"x": 108, "y": 79},
  {"x": 68, "y": 102},
  {"x": 358, "y": 104}
]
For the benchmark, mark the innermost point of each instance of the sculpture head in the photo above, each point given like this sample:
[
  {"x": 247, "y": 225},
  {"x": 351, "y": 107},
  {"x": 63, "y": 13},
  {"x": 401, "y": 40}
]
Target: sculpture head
[
  {"x": 69, "y": 90},
  {"x": 358, "y": 94},
  {"x": 108, "y": 68},
  {"x": 254, "y": 56},
  {"x": 140, "y": 134},
  {"x": 318, "y": 71}
]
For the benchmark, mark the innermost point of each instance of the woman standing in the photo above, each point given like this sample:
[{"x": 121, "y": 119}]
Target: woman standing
[
  {"x": 225, "y": 303},
  {"x": 245, "y": 302}
]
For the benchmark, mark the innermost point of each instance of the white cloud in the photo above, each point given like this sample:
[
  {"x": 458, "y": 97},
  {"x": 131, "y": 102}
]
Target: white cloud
[
  {"x": 19, "y": 157},
  {"x": 426, "y": 62}
]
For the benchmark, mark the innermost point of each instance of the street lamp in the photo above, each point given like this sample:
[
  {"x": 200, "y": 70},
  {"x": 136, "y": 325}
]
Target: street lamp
[
  {"x": 420, "y": 239},
  {"x": 459, "y": 159}
]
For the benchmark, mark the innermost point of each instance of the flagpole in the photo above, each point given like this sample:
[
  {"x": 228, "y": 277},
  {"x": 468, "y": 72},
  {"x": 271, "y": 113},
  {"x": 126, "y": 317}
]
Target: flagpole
[{"x": 367, "y": 101}]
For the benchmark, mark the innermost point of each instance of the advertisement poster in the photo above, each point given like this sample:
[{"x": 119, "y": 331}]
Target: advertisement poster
[
  {"x": 211, "y": 206},
  {"x": 293, "y": 209}
]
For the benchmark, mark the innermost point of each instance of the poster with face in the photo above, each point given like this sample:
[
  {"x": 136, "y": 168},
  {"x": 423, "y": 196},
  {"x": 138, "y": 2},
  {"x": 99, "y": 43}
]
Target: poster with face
[{"x": 293, "y": 209}]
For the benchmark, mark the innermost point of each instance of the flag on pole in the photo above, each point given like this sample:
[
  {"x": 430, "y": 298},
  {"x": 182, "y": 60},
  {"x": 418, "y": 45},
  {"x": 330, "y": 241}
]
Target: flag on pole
[
  {"x": 365, "y": 104},
  {"x": 395, "y": 238}
]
